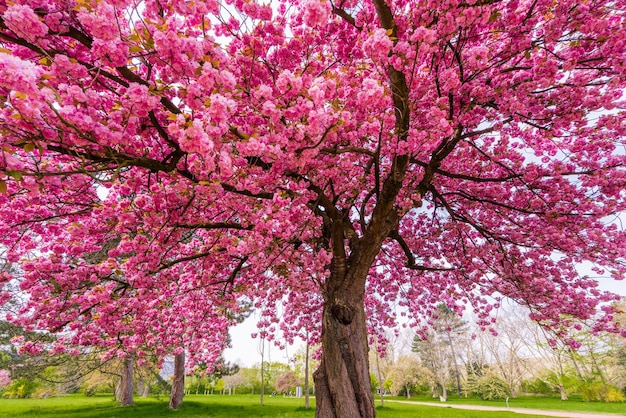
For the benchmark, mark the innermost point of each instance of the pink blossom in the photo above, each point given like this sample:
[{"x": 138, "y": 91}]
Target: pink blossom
[
  {"x": 378, "y": 45},
  {"x": 17, "y": 74},
  {"x": 101, "y": 21},
  {"x": 22, "y": 20},
  {"x": 316, "y": 12}
]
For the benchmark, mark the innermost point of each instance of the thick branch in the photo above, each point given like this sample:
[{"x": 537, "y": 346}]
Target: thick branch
[
  {"x": 164, "y": 266},
  {"x": 346, "y": 16}
]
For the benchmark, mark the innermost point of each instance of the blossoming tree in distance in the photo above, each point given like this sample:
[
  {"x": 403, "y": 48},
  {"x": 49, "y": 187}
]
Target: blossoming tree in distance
[{"x": 320, "y": 160}]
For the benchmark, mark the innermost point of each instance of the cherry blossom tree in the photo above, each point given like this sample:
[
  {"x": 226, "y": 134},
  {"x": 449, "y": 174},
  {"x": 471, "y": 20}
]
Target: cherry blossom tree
[
  {"x": 322, "y": 160},
  {"x": 5, "y": 378}
]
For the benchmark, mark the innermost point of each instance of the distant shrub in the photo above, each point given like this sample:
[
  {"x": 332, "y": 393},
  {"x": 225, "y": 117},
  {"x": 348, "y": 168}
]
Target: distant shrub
[
  {"x": 43, "y": 392},
  {"x": 537, "y": 386},
  {"x": 489, "y": 387},
  {"x": 598, "y": 391},
  {"x": 90, "y": 391},
  {"x": 21, "y": 388}
]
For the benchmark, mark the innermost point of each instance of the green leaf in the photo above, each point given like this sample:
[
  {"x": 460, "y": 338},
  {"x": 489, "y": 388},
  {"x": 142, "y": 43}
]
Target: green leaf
[
  {"x": 15, "y": 174},
  {"x": 3, "y": 187},
  {"x": 29, "y": 147}
]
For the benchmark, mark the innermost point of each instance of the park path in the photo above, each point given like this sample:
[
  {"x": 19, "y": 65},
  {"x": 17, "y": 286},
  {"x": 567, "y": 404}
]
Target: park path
[{"x": 527, "y": 411}]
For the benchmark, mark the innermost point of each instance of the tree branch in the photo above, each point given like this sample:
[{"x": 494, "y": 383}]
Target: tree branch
[
  {"x": 411, "y": 264},
  {"x": 215, "y": 225}
]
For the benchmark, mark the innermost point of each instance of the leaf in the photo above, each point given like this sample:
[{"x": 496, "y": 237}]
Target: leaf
[
  {"x": 494, "y": 16},
  {"x": 15, "y": 174},
  {"x": 29, "y": 147},
  {"x": 3, "y": 187},
  {"x": 136, "y": 48},
  {"x": 6, "y": 51}
]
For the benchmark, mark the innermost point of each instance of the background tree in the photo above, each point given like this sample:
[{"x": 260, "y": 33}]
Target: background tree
[
  {"x": 303, "y": 364},
  {"x": 507, "y": 351},
  {"x": 451, "y": 327},
  {"x": 286, "y": 381},
  {"x": 406, "y": 374},
  {"x": 339, "y": 155},
  {"x": 5, "y": 378},
  {"x": 433, "y": 354},
  {"x": 253, "y": 379},
  {"x": 233, "y": 381}
]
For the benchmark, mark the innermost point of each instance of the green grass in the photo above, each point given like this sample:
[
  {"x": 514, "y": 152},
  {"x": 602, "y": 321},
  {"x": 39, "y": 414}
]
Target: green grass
[
  {"x": 244, "y": 406},
  {"x": 575, "y": 403}
]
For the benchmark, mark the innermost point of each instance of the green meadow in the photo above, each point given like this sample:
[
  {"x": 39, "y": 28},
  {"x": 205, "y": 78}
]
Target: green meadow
[{"x": 244, "y": 406}]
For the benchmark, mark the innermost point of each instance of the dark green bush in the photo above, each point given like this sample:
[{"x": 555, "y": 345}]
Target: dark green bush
[{"x": 537, "y": 386}]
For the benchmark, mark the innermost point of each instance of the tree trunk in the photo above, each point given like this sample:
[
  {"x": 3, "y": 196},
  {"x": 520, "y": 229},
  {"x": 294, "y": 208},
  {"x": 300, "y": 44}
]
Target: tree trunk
[
  {"x": 380, "y": 380},
  {"x": 262, "y": 371},
  {"x": 307, "y": 401},
  {"x": 342, "y": 382},
  {"x": 456, "y": 366},
  {"x": 444, "y": 390},
  {"x": 125, "y": 390},
  {"x": 143, "y": 387},
  {"x": 178, "y": 383}
]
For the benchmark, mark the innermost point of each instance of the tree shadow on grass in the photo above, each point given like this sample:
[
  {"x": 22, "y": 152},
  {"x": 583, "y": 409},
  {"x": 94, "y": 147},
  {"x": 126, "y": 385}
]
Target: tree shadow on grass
[{"x": 189, "y": 409}]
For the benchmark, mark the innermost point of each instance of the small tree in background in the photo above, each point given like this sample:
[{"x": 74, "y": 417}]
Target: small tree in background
[
  {"x": 488, "y": 386},
  {"x": 286, "y": 381},
  {"x": 5, "y": 378}
]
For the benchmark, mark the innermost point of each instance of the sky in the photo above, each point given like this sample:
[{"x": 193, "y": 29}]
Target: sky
[{"x": 246, "y": 351}]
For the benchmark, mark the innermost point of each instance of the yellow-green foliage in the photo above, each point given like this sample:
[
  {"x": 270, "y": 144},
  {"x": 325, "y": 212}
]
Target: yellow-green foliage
[
  {"x": 21, "y": 388},
  {"x": 598, "y": 391}
]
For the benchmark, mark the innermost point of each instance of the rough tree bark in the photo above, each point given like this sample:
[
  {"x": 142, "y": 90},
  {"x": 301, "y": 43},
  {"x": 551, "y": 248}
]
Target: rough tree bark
[
  {"x": 342, "y": 382},
  {"x": 178, "y": 383},
  {"x": 124, "y": 393}
]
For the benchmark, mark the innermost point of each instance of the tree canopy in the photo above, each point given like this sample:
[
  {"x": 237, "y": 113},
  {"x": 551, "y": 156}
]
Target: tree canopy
[{"x": 335, "y": 158}]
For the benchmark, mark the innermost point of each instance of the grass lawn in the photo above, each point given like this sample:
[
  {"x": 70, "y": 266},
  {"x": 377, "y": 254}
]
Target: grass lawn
[
  {"x": 208, "y": 406},
  {"x": 575, "y": 403}
]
